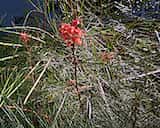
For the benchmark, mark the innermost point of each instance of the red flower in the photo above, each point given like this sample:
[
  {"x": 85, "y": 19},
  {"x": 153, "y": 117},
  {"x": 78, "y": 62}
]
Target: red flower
[
  {"x": 71, "y": 82},
  {"x": 24, "y": 37},
  {"x": 107, "y": 56},
  {"x": 75, "y": 22},
  {"x": 71, "y": 34}
]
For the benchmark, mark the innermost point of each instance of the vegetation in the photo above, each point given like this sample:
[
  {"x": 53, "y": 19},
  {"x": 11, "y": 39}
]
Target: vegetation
[{"x": 109, "y": 80}]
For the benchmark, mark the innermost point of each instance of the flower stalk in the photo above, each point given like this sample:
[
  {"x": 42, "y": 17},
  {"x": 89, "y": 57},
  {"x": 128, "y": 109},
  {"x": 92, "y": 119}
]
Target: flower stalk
[{"x": 75, "y": 73}]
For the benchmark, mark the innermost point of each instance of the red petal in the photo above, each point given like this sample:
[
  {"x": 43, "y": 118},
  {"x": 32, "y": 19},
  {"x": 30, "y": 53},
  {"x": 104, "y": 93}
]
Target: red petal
[{"x": 75, "y": 22}]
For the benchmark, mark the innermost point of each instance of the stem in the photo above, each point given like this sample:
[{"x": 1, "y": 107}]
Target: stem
[
  {"x": 135, "y": 118},
  {"x": 29, "y": 50},
  {"x": 75, "y": 73}
]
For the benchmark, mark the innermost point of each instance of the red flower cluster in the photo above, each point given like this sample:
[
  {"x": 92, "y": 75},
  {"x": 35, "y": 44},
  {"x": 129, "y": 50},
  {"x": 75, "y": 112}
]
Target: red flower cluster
[
  {"x": 71, "y": 34},
  {"x": 107, "y": 56},
  {"x": 24, "y": 37},
  {"x": 71, "y": 82}
]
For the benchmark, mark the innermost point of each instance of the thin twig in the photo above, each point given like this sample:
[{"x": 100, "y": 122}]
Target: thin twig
[
  {"x": 158, "y": 37},
  {"x": 35, "y": 84},
  {"x": 75, "y": 73},
  {"x": 10, "y": 44},
  {"x": 27, "y": 110},
  {"x": 29, "y": 28},
  {"x": 18, "y": 33},
  {"x": 142, "y": 75},
  {"x": 8, "y": 58},
  {"x": 60, "y": 108}
]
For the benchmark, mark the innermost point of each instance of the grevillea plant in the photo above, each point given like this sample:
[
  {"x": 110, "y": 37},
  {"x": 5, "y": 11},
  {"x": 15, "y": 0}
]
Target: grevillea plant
[
  {"x": 72, "y": 35},
  {"x": 100, "y": 77}
]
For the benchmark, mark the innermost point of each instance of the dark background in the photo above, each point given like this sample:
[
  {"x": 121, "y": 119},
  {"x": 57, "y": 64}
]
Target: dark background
[{"x": 9, "y": 9}]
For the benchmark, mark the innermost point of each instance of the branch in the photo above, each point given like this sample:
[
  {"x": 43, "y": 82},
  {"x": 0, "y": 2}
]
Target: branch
[{"x": 142, "y": 75}]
